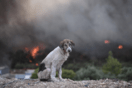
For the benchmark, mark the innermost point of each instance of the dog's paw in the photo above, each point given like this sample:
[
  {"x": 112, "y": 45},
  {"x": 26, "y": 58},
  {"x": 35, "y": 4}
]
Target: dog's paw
[
  {"x": 62, "y": 80},
  {"x": 55, "y": 80}
]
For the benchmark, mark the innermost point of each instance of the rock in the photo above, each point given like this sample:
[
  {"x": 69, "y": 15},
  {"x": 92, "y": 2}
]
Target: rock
[
  {"x": 68, "y": 83},
  {"x": 87, "y": 85}
]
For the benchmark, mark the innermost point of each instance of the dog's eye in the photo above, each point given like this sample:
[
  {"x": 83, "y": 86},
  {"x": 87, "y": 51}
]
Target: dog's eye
[{"x": 65, "y": 45}]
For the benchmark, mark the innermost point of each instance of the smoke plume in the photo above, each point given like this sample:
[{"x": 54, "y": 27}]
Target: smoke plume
[{"x": 87, "y": 22}]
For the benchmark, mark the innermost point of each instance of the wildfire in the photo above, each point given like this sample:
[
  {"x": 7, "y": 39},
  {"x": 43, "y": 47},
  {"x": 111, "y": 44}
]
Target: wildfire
[
  {"x": 120, "y": 47},
  {"x": 26, "y": 49},
  {"x": 106, "y": 41},
  {"x": 37, "y": 64},
  {"x": 34, "y": 51}
]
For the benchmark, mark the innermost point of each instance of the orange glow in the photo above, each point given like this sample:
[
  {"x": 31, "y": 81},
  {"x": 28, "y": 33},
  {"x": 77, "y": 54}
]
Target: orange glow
[
  {"x": 36, "y": 64},
  {"x": 120, "y": 47},
  {"x": 106, "y": 41},
  {"x": 30, "y": 61},
  {"x": 26, "y": 49},
  {"x": 34, "y": 51}
]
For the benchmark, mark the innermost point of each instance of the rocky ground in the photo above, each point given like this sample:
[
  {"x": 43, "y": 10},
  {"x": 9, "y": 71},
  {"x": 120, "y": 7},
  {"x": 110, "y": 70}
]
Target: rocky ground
[{"x": 35, "y": 83}]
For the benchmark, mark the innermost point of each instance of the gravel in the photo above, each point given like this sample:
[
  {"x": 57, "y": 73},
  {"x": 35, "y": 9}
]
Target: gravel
[{"x": 68, "y": 83}]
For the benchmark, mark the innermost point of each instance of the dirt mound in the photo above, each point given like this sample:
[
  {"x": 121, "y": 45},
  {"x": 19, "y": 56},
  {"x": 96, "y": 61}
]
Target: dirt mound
[{"x": 35, "y": 83}]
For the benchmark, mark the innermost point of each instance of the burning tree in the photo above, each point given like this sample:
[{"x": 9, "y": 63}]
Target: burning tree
[{"x": 27, "y": 56}]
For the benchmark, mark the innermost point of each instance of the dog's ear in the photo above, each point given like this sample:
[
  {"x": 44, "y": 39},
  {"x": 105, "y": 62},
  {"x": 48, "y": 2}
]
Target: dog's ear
[
  {"x": 61, "y": 44},
  {"x": 72, "y": 43}
]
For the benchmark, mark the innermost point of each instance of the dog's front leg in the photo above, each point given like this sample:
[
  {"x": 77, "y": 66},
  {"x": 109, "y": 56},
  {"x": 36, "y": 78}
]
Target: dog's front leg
[
  {"x": 53, "y": 74},
  {"x": 60, "y": 73}
]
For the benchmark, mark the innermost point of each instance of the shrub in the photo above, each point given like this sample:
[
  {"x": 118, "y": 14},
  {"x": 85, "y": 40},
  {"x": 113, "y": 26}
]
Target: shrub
[
  {"x": 65, "y": 74},
  {"x": 76, "y": 66},
  {"x": 34, "y": 75},
  {"x": 73, "y": 67},
  {"x": 109, "y": 75},
  {"x": 68, "y": 73},
  {"x": 113, "y": 65},
  {"x": 91, "y": 72},
  {"x": 126, "y": 74},
  {"x": 19, "y": 66}
]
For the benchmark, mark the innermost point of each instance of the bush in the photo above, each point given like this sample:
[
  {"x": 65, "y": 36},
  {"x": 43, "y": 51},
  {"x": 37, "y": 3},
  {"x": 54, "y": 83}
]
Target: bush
[
  {"x": 109, "y": 75},
  {"x": 126, "y": 74},
  {"x": 19, "y": 66},
  {"x": 91, "y": 72},
  {"x": 65, "y": 74},
  {"x": 113, "y": 65},
  {"x": 74, "y": 67},
  {"x": 34, "y": 75}
]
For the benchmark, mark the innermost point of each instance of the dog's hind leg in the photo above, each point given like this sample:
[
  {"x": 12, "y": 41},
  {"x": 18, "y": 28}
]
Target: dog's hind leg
[{"x": 44, "y": 73}]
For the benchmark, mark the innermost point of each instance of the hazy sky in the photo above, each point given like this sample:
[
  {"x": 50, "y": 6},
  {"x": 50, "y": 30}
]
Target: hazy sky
[{"x": 86, "y": 22}]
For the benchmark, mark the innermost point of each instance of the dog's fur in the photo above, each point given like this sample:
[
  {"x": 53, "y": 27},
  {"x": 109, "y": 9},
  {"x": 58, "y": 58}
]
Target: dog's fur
[{"x": 54, "y": 61}]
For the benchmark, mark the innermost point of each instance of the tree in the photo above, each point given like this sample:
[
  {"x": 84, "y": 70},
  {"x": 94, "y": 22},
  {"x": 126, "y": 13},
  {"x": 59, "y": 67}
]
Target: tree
[{"x": 112, "y": 65}]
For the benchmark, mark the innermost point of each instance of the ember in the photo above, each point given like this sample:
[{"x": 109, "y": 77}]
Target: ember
[
  {"x": 26, "y": 49},
  {"x": 36, "y": 64},
  {"x": 106, "y": 41},
  {"x": 120, "y": 47},
  {"x": 30, "y": 61}
]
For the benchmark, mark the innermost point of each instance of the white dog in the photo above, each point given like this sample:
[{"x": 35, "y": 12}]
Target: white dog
[{"x": 54, "y": 61}]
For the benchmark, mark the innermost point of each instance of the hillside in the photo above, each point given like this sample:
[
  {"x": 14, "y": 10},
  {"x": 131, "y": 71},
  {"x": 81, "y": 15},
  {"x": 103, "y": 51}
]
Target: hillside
[{"x": 35, "y": 83}]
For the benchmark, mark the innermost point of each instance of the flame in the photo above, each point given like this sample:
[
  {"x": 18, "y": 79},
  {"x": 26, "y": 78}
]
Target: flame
[
  {"x": 36, "y": 64},
  {"x": 30, "y": 61},
  {"x": 26, "y": 49},
  {"x": 34, "y": 51},
  {"x": 120, "y": 47},
  {"x": 106, "y": 41}
]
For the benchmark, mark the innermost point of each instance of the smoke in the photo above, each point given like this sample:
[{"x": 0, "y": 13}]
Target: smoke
[{"x": 86, "y": 22}]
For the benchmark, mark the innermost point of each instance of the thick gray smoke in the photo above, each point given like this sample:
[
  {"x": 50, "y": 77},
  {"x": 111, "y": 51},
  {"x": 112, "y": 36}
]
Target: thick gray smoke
[{"x": 86, "y": 22}]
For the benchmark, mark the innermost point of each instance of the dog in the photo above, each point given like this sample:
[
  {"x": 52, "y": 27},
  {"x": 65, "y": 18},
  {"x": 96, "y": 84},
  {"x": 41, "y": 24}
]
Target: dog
[{"x": 54, "y": 61}]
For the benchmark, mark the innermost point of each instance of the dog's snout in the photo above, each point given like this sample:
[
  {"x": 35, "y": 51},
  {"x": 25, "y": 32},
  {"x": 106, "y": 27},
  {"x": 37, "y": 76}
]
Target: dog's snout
[{"x": 69, "y": 51}]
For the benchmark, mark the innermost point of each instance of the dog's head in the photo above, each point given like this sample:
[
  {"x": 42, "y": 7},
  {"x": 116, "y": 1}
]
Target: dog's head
[{"x": 66, "y": 45}]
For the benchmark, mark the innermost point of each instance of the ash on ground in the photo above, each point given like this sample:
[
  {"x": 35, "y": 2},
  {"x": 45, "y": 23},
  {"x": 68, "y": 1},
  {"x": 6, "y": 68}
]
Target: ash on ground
[{"x": 35, "y": 83}]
